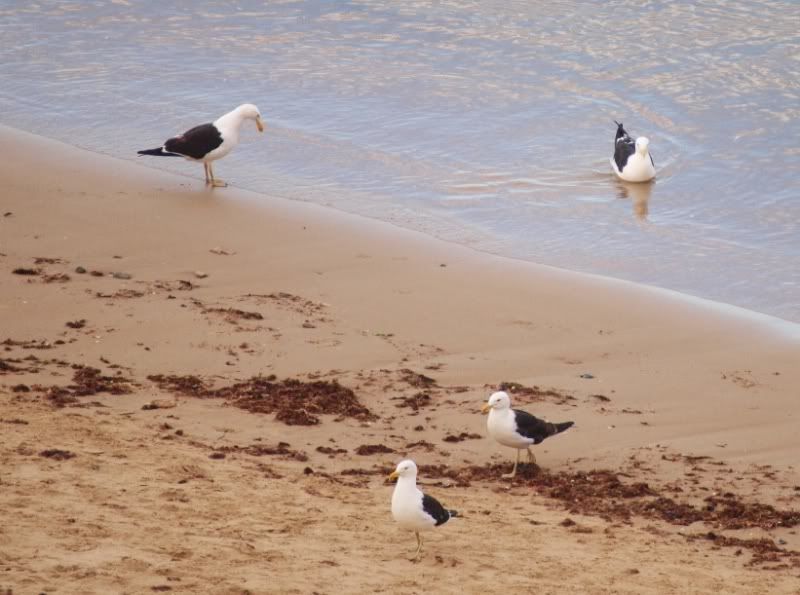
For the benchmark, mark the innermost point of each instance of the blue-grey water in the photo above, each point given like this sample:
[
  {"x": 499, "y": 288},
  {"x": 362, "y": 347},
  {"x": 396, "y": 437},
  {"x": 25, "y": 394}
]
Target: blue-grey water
[{"x": 486, "y": 123}]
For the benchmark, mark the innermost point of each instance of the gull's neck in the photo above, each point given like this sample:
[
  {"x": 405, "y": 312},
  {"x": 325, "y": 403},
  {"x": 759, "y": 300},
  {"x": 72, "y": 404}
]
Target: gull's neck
[
  {"x": 231, "y": 122},
  {"x": 406, "y": 483},
  {"x": 500, "y": 413}
]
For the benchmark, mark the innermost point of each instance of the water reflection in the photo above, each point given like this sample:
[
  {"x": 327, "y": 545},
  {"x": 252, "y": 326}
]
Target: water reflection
[{"x": 639, "y": 195}]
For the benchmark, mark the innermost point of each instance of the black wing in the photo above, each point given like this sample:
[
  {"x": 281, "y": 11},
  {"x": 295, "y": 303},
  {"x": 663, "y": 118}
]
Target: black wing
[
  {"x": 196, "y": 142},
  {"x": 432, "y": 506},
  {"x": 536, "y": 429},
  {"x": 624, "y": 147}
]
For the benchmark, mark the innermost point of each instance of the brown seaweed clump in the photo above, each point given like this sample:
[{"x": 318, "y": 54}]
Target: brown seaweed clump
[
  {"x": 602, "y": 492},
  {"x": 57, "y": 454},
  {"x": 86, "y": 381},
  {"x": 606, "y": 493},
  {"x": 416, "y": 379},
  {"x": 294, "y": 402},
  {"x": 259, "y": 450},
  {"x": 531, "y": 394},
  {"x": 372, "y": 449}
]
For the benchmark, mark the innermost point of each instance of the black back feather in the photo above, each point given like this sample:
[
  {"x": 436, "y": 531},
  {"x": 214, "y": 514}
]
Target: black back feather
[
  {"x": 432, "y": 506},
  {"x": 537, "y": 429},
  {"x": 196, "y": 142},
  {"x": 624, "y": 146}
]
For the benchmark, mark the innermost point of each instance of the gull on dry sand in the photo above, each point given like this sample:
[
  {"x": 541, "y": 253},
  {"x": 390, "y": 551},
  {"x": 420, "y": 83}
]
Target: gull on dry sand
[
  {"x": 632, "y": 161},
  {"x": 411, "y": 508},
  {"x": 517, "y": 429},
  {"x": 211, "y": 141}
]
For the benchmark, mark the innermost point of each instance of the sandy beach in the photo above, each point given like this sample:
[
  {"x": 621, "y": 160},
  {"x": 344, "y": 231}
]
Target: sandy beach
[{"x": 203, "y": 391}]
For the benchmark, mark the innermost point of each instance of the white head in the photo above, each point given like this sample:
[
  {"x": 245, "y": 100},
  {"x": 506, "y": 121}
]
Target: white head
[
  {"x": 405, "y": 468},
  {"x": 499, "y": 400},
  {"x": 642, "y": 144},
  {"x": 248, "y": 111}
]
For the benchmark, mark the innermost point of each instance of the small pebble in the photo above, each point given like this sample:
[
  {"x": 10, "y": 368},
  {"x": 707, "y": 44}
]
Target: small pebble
[
  {"x": 80, "y": 270},
  {"x": 122, "y": 276},
  {"x": 587, "y": 376},
  {"x": 200, "y": 274}
]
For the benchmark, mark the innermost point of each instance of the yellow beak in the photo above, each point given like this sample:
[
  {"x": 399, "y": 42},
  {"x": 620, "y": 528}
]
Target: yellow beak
[
  {"x": 393, "y": 475},
  {"x": 259, "y": 125},
  {"x": 486, "y": 407}
]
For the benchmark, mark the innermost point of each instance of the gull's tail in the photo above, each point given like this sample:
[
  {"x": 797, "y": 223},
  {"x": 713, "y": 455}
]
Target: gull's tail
[
  {"x": 621, "y": 132},
  {"x": 558, "y": 428},
  {"x": 159, "y": 152}
]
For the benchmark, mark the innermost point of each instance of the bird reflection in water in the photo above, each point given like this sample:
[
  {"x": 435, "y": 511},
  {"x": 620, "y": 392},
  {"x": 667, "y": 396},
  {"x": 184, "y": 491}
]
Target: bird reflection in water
[{"x": 639, "y": 195}]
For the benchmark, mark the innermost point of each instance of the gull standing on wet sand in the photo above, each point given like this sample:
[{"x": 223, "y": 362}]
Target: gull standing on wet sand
[
  {"x": 411, "y": 508},
  {"x": 517, "y": 429},
  {"x": 209, "y": 142}
]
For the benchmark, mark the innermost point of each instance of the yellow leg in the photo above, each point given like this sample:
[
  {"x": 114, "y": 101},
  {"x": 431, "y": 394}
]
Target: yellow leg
[
  {"x": 514, "y": 470},
  {"x": 205, "y": 169},
  {"x": 531, "y": 457},
  {"x": 419, "y": 546},
  {"x": 214, "y": 182}
]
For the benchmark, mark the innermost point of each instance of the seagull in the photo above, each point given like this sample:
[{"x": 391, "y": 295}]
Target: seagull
[
  {"x": 211, "y": 141},
  {"x": 413, "y": 509},
  {"x": 517, "y": 429},
  {"x": 632, "y": 162}
]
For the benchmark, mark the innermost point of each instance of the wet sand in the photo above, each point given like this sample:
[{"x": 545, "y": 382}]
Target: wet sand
[{"x": 157, "y": 335}]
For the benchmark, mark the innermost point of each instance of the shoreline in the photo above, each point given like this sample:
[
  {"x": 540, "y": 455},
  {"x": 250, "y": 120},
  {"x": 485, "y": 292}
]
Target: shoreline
[
  {"x": 736, "y": 314},
  {"x": 142, "y": 313}
]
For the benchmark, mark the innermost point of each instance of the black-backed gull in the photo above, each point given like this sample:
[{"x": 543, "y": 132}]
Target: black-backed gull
[
  {"x": 632, "y": 161},
  {"x": 411, "y": 508},
  {"x": 517, "y": 429},
  {"x": 209, "y": 142}
]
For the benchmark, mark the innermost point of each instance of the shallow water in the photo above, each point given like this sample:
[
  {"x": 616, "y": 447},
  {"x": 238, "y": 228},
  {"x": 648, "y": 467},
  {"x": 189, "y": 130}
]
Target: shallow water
[{"x": 485, "y": 123}]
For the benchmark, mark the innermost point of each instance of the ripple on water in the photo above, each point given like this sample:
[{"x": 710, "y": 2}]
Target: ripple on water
[{"x": 488, "y": 123}]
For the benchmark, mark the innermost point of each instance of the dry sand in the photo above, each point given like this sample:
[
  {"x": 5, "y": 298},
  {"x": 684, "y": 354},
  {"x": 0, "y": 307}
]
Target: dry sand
[{"x": 125, "y": 470}]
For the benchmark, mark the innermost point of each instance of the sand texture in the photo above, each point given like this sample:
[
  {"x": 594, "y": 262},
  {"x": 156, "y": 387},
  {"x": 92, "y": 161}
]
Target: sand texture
[{"x": 203, "y": 391}]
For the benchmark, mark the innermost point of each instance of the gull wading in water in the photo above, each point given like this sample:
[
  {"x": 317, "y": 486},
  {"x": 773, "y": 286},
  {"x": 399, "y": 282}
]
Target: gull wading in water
[
  {"x": 517, "y": 429},
  {"x": 632, "y": 161},
  {"x": 209, "y": 142},
  {"x": 411, "y": 508}
]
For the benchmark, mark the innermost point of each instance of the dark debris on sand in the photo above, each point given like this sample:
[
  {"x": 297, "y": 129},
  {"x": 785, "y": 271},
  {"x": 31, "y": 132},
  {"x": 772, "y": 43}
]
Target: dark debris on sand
[
  {"x": 461, "y": 437},
  {"x": 415, "y": 401},
  {"x": 372, "y": 449},
  {"x": 293, "y": 402},
  {"x": 532, "y": 394},
  {"x": 416, "y": 379},
  {"x": 234, "y": 315},
  {"x": 7, "y": 367},
  {"x": 764, "y": 550},
  {"x": 57, "y": 454},
  {"x": 607, "y": 494},
  {"x": 28, "y": 344},
  {"x": 86, "y": 381},
  {"x": 259, "y": 450},
  {"x": 120, "y": 294},
  {"x": 27, "y": 271}
]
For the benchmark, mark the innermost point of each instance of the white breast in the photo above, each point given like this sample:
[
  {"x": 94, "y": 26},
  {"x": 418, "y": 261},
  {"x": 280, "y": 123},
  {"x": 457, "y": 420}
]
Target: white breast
[
  {"x": 407, "y": 507},
  {"x": 230, "y": 138},
  {"x": 638, "y": 168},
  {"x": 502, "y": 428}
]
